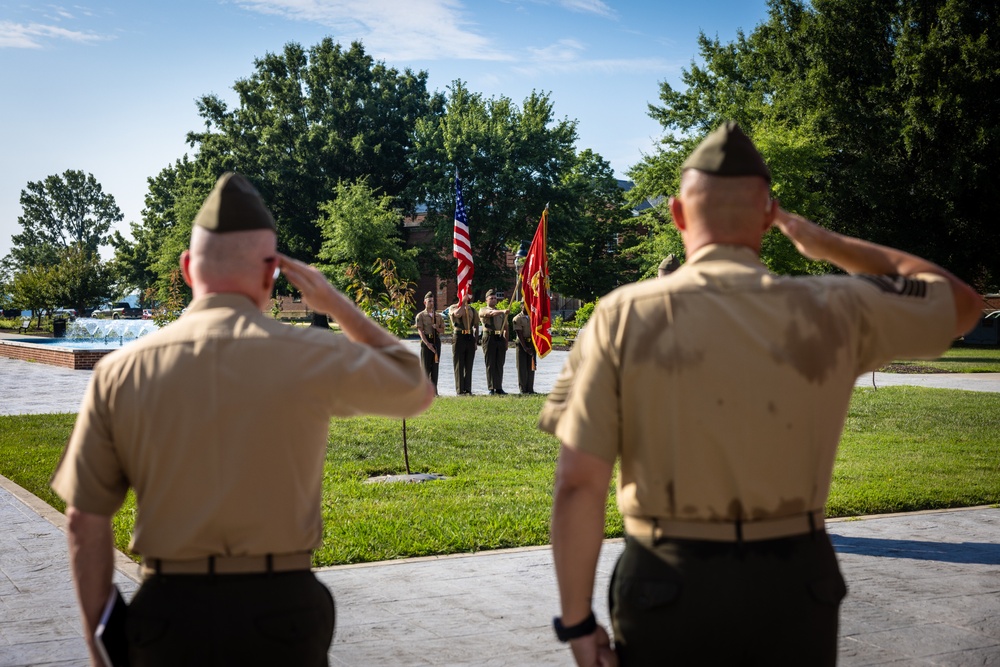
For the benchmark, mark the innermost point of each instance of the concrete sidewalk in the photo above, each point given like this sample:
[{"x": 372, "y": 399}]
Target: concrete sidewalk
[
  {"x": 924, "y": 587},
  {"x": 924, "y": 590}
]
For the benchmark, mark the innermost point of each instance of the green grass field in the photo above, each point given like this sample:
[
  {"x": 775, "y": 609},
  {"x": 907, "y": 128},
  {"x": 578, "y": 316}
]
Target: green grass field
[
  {"x": 959, "y": 360},
  {"x": 903, "y": 449}
]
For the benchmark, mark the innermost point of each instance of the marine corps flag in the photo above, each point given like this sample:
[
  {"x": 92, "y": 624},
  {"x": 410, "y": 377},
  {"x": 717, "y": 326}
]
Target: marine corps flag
[{"x": 535, "y": 284}]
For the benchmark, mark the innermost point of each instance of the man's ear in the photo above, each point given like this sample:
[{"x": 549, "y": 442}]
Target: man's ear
[
  {"x": 186, "y": 266},
  {"x": 770, "y": 211},
  {"x": 677, "y": 213}
]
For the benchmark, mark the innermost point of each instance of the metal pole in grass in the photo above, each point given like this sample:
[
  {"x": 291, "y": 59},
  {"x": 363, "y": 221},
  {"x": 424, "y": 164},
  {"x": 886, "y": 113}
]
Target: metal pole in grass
[{"x": 406, "y": 453}]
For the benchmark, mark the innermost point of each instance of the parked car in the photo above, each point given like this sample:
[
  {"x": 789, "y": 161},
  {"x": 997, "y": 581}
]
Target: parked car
[
  {"x": 147, "y": 313},
  {"x": 122, "y": 310},
  {"x": 64, "y": 313}
]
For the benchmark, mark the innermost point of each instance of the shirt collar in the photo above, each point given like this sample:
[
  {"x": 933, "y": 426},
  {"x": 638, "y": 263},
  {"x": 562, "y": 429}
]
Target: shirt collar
[
  {"x": 717, "y": 252},
  {"x": 236, "y": 302}
]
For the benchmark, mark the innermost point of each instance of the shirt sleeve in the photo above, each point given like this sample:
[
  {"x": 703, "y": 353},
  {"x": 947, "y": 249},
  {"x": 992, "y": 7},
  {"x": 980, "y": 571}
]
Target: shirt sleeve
[
  {"x": 905, "y": 318},
  {"x": 583, "y": 409},
  {"x": 384, "y": 381},
  {"x": 89, "y": 475}
]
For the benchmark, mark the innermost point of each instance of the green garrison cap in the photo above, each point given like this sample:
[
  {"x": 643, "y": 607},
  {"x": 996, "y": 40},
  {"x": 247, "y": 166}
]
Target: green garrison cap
[
  {"x": 490, "y": 292},
  {"x": 234, "y": 205},
  {"x": 727, "y": 151},
  {"x": 428, "y": 296},
  {"x": 668, "y": 265}
]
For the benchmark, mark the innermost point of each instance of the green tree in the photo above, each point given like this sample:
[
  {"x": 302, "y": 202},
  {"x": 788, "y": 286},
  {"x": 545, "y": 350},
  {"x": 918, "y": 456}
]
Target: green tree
[
  {"x": 360, "y": 227},
  {"x": 80, "y": 279},
  {"x": 149, "y": 258},
  {"x": 511, "y": 161},
  {"x": 309, "y": 119},
  {"x": 61, "y": 211},
  {"x": 877, "y": 119},
  {"x": 32, "y": 289},
  {"x": 593, "y": 243}
]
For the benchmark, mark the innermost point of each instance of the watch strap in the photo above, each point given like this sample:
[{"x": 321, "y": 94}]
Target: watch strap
[{"x": 581, "y": 629}]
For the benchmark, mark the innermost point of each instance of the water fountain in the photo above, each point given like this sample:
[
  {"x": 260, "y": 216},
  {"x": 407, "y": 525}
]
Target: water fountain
[
  {"x": 91, "y": 333},
  {"x": 87, "y": 340}
]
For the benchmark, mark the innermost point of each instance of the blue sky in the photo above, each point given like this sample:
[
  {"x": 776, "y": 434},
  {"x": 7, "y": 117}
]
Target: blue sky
[{"x": 109, "y": 87}]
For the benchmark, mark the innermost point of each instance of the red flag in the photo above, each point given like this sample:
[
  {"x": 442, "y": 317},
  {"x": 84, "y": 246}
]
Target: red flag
[
  {"x": 535, "y": 284},
  {"x": 462, "y": 246}
]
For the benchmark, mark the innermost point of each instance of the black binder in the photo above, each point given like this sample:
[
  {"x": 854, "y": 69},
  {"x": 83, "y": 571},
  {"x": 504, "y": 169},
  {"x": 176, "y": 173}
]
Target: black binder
[{"x": 110, "y": 637}]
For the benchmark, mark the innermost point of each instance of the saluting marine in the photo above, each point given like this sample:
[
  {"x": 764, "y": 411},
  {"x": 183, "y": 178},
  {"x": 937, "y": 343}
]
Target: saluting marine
[
  {"x": 430, "y": 327},
  {"x": 722, "y": 390},
  {"x": 465, "y": 330},
  {"x": 228, "y": 496},
  {"x": 494, "y": 342}
]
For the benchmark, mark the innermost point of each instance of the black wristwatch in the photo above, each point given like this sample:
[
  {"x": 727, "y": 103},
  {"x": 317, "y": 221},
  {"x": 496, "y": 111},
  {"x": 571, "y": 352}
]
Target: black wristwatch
[{"x": 581, "y": 629}]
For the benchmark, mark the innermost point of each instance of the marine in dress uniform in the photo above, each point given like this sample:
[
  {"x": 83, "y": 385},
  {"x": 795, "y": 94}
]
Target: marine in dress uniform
[
  {"x": 722, "y": 390},
  {"x": 430, "y": 326},
  {"x": 228, "y": 495},
  {"x": 465, "y": 330},
  {"x": 525, "y": 353},
  {"x": 494, "y": 342},
  {"x": 667, "y": 266}
]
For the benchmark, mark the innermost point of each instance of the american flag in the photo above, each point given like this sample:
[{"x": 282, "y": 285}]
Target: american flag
[{"x": 462, "y": 249}]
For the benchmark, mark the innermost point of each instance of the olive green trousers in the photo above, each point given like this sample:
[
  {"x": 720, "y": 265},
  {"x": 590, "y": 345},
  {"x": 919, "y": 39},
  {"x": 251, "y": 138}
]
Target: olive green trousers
[{"x": 693, "y": 602}]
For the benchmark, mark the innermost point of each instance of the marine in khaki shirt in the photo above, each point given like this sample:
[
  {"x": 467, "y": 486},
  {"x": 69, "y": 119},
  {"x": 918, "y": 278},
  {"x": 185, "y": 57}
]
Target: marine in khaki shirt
[
  {"x": 430, "y": 328},
  {"x": 525, "y": 353},
  {"x": 494, "y": 342},
  {"x": 722, "y": 390},
  {"x": 465, "y": 330},
  {"x": 219, "y": 422}
]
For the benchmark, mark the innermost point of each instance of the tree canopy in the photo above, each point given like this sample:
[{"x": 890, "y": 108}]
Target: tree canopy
[
  {"x": 880, "y": 120},
  {"x": 592, "y": 236},
  {"x": 60, "y": 212},
  {"x": 358, "y": 228},
  {"x": 511, "y": 161},
  {"x": 308, "y": 119}
]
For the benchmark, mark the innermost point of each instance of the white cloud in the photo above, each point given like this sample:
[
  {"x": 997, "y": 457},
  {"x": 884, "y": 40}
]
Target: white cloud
[
  {"x": 591, "y": 6},
  {"x": 567, "y": 56},
  {"x": 414, "y": 30},
  {"x": 33, "y": 35}
]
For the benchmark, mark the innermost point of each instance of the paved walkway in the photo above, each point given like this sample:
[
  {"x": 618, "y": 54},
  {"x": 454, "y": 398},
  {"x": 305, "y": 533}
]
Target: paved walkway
[{"x": 924, "y": 587}]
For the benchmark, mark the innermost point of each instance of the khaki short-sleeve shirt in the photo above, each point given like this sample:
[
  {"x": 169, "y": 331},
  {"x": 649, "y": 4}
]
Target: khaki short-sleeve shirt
[
  {"x": 431, "y": 324},
  {"x": 522, "y": 327},
  {"x": 491, "y": 322},
  {"x": 464, "y": 318},
  {"x": 219, "y": 422},
  {"x": 723, "y": 388}
]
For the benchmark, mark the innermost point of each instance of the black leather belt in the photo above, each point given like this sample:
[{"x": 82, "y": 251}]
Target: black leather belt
[
  {"x": 725, "y": 531},
  {"x": 230, "y": 564}
]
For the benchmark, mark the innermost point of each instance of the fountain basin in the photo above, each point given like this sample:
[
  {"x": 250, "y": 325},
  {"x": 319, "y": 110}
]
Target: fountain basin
[
  {"x": 51, "y": 351},
  {"x": 86, "y": 341}
]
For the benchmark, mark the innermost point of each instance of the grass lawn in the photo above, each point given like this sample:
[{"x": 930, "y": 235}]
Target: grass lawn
[
  {"x": 955, "y": 360},
  {"x": 903, "y": 449}
]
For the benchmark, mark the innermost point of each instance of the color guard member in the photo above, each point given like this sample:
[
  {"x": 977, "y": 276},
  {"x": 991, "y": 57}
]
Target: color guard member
[
  {"x": 494, "y": 342},
  {"x": 430, "y": 327},
  {"x": 465, "y": 331}
]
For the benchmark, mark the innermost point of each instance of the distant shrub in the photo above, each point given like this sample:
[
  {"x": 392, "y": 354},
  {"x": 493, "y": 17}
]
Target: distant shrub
[{"x": 584, "y": 312}]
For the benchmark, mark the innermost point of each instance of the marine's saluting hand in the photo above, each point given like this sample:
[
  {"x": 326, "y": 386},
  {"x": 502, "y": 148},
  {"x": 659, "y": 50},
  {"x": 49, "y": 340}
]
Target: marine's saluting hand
[
  {"x": 317, "y": 292},
  {"x": 807, "y": 236}
]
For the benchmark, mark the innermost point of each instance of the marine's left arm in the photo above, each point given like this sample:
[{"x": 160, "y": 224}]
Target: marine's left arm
[
  {"x": 92, "y": 563},
  {"x": 579, "y": 499}
]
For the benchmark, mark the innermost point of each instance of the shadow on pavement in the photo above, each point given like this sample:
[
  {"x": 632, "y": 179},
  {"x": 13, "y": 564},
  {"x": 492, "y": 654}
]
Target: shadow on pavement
[{"x": 981, "y": 553}]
